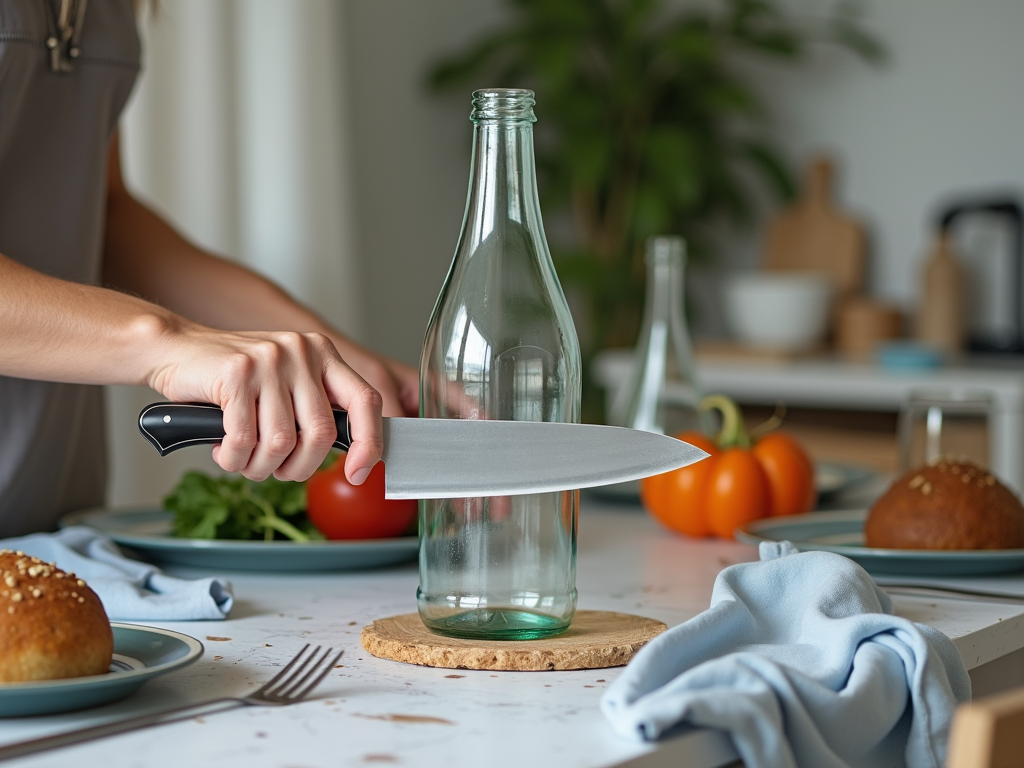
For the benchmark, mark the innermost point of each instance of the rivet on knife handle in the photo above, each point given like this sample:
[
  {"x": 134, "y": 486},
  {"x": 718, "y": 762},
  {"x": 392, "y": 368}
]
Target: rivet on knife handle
[{"x": 170, "y": 426}]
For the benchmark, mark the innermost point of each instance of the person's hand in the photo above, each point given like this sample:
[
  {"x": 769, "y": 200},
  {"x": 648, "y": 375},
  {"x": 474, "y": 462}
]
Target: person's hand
[
  {"x": 267, "y": 383},
  {"x": 406, "y": 380},
  {"x": 398, "y": 383}
]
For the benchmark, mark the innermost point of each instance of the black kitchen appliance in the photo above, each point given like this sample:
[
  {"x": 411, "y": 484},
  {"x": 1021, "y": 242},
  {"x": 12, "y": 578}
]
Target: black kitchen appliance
[{"x": 1004, "y": 332}]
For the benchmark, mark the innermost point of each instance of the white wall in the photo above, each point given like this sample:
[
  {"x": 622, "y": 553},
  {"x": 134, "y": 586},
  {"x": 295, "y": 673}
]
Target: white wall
[
  {"x": 411, "y": 152},
  {"x": 237, "y": 133},
  {"x": 945, "y": 114},
  {"x": 236, "y": 93}
]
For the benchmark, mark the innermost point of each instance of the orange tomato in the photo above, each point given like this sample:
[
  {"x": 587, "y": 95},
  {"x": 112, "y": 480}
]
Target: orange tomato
[
  {"x": 732, "y": 486},
  {"x": 676, "y": 498},
  {"x": 737, "y": 492},
  {"x": 790, "y": 474}
]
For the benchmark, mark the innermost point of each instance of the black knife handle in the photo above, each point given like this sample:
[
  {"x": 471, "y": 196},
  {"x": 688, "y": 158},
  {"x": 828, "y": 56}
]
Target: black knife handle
[{"x": 170, "y": 426}]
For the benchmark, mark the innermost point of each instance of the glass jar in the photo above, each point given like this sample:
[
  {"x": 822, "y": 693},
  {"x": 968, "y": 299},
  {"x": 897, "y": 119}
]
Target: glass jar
[
  {"x": 661, "y": 393},
  {"x": 501, "y": 344}
]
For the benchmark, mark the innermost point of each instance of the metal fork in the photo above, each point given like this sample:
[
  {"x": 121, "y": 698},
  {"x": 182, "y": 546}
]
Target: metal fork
[{"x": 292, "y": 684}]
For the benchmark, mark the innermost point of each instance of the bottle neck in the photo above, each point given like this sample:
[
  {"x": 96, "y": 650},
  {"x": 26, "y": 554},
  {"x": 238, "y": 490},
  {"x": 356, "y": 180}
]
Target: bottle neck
[
  {"x": 503, "y": 178},
  {"x": 662, "y": 379},
  {"x": 664, "y": 287}
]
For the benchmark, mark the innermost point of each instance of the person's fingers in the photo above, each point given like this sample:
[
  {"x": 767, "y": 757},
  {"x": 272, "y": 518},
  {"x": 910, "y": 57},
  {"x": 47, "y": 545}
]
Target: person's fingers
[
  {"x": 276, "y": 390},
  {"x": 397, "y": 382},
  {"x": 390, "y": 396},
  {"x": 316, "y": 435},
  {"x": 240, "y": 434},
  {"x": 377, "y": 374},
  {"x": 407, "y": 380},
  {"x": 499, "y": 508},
  {"x": 277, "y": 436},
  {"x": 364, "y": 405},
  {"x": 410, "y": 398}
]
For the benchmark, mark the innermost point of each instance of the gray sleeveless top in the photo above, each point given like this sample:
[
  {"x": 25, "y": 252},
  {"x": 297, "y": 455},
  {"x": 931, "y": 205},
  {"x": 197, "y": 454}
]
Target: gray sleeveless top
[{"x": 55, "y": 130}]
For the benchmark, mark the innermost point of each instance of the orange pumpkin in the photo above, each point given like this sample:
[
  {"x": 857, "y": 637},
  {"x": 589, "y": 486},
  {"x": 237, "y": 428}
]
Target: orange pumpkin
[{"x": 735, "y": 484}]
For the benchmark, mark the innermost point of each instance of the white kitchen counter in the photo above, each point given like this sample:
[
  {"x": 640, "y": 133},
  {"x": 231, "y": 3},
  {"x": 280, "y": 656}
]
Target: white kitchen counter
[{"x": 501, "y": 720}]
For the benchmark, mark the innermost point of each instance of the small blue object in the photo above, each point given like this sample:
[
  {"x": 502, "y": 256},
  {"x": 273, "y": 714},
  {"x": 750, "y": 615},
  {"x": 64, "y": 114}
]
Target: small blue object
[
  {"x": 127, "y": 588},
  {"x": 908, "y": 356},
  {"x": 803, "y": 662}
]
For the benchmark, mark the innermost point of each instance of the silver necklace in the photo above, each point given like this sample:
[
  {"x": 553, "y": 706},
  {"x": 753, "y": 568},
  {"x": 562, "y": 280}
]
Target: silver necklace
[{"x": 64, "y": 34}]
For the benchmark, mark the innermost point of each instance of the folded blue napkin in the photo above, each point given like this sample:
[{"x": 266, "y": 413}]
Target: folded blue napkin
[
  {"x": 801, "y": 660},
  {"x": 128, "y": 589}
]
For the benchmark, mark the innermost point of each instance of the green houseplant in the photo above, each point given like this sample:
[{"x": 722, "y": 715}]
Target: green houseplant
[{"x": 648, "y": 126}]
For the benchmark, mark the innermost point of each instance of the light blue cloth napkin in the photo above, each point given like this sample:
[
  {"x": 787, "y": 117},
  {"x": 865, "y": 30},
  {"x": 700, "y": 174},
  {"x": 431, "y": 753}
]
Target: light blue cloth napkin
[
  {"x": 801, "y": 660},
  {"x": 128, "y": 589}
]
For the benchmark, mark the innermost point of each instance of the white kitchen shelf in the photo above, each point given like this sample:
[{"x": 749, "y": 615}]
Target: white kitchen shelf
[{"x": 827, "y": 383}]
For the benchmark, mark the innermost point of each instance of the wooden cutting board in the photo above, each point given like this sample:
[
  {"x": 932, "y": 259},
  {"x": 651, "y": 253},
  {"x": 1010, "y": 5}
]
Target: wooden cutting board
[{"x": 814, "y": 235}]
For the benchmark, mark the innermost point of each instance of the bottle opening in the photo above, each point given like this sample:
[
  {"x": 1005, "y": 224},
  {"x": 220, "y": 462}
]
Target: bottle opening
[
  {"x": 503, "y": 104},
  {"x": 662, "y": 249}
]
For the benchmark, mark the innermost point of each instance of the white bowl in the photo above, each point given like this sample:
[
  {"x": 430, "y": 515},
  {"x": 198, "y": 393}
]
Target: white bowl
[{"x": 779, "y": 310}]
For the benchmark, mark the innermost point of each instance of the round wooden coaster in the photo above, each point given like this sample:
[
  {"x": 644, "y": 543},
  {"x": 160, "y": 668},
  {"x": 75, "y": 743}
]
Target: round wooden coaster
[{"x": 595, "y": 639}]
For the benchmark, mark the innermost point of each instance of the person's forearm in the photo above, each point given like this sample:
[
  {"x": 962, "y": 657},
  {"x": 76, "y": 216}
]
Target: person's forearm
[
  {"x": 144, "y": 255},
  {"x": 275, "y": 387},
  {"x": 56, "y": 330}
]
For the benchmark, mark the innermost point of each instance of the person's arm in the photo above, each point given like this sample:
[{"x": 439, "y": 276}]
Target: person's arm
[
  {"x": 55, "y": 330},
  {"x": 266, "y": 382},
  {"x": 144, "y": 255}
]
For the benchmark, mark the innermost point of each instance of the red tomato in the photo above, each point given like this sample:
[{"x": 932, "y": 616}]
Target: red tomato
[{"x": 341, "y": 510}]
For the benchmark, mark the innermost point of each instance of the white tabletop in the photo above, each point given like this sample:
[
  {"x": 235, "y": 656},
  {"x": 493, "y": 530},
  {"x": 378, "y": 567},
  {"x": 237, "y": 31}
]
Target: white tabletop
[{"x": 507, "y": 719}]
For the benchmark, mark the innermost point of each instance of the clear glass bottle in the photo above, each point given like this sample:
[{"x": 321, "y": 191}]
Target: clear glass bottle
[
  {"x": 661, "y": 392},
  {"x": 501, "y": 344}
]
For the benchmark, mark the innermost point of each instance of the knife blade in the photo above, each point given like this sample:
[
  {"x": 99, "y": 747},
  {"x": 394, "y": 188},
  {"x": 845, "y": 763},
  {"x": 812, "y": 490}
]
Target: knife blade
[{"x": 456, "y": 458}]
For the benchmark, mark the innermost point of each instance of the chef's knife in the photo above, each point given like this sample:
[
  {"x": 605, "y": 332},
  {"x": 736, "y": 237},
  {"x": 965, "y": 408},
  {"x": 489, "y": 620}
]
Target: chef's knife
[{"x": 455, "y": 458}]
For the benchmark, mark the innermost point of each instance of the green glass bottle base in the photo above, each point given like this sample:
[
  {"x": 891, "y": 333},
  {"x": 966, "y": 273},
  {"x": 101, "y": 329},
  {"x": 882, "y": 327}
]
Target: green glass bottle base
[{"x": 497, "y": 624}]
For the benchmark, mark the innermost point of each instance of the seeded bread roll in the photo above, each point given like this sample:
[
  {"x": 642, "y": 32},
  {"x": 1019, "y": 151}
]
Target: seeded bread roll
[
  {"x": 51, "y": 624},
  {"x": 952, "y": 504}
]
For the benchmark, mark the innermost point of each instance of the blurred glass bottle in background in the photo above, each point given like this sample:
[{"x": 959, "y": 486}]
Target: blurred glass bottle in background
[
  {"x": 501, "y": 344},
  {"x": 661, "y": 392}
]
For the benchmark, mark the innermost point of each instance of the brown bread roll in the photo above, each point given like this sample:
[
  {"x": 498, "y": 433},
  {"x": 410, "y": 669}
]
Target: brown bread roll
[
  {"x": 51, "y": 624},
  {"x": 952, "y": 504}
]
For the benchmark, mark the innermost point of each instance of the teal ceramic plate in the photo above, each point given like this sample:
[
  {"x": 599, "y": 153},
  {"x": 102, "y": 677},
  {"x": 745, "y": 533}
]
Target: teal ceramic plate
[
  {"x": 833, "y": 480},
  {"x": 616, "y": 493},
  {"x": 147, "y": 532},
  {"x": 140, "y": 654},
  {"x": 843, "y": 533}
]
